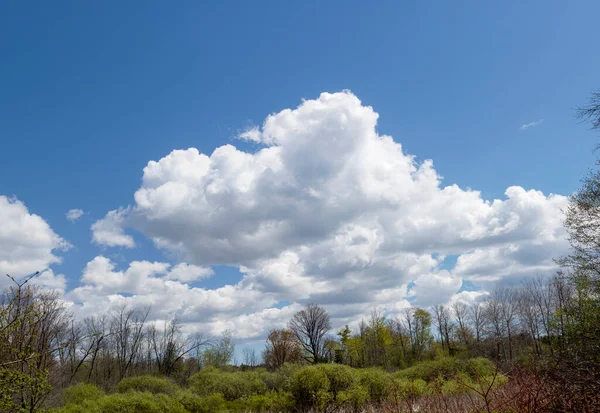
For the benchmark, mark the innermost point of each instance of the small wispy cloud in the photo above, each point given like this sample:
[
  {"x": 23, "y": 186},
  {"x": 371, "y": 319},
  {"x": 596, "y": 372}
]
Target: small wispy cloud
[
  {"x": 74, "y": 214},
  {"x": 531, "y": 124}
]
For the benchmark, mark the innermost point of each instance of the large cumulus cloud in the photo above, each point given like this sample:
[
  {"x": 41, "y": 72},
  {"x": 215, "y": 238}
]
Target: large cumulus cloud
[
  {"x": 328, "y": 209},
  {"x": 27, "y": 244}
]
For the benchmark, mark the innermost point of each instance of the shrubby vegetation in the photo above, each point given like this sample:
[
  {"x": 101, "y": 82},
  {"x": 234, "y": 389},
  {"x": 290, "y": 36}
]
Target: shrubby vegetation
[
  {"x": 529, "y": 348},
  {"x": 306, "y": 388}
]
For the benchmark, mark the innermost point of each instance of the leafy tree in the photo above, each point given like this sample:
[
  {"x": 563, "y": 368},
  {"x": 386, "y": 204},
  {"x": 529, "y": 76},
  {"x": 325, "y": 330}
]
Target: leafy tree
[{"x": 31, "y": 322}]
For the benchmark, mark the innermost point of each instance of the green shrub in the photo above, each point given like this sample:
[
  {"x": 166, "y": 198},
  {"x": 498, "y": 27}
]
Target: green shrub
[
  {"x": 137, "y": 402},
  {"x": 87, "y": 406},
  {"x": 231, "y": 385},
  {"x": 340, "y": 377},
  {"x": 407, "y": 389},
  {"x": 449, "y": 387},
  {"x": 497, "y": 381},
  {"x": 377, "y": 382},
  {"x": 479, "y": 367},
  {"x": 152, "y": 384},
  {"x": 280, "y": 379},
  {"x": 355, "y": 397},
  {"x": 310, "y": 387},
  {"x": 447, "y": 368},
  {"x": 271, "y": 401},
  {"x": 463, "y": 382},
  {"x": 80, "y": 393},
  {"x": 201, "y": 404}
]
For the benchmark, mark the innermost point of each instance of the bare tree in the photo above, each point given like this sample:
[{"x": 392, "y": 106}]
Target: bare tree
[
  {"x": 530, "y": 318},
  {"x": 460, "y": 312},
  {"x": 310, "y": 325},
  {"x": 250, "y": 358},
  {"x": 127, "y": 329},
  {"x": 477, "y": 317},
  {"x": 507, "y": 298},
  {"x": 96, "y": 333},
  {"x": 170, "y": 346},
  {"x": 494, "y": 320},
  {"x": 591, "y": 112},
  {"x": 442, "y": 321}
]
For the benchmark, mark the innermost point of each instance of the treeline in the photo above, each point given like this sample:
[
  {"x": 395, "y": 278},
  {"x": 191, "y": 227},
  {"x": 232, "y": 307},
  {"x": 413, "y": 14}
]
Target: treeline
[
  {"x": 548, "y": 325},
  {"x": 43, "y": 347}
]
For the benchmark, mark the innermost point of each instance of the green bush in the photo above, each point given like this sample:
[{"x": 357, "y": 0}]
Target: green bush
[
  {"x": 334, "y": 386},
  {"x": 340, "y": 378},
  {"x": 87, "y": 406},
  {"x": 497, "y": 381},
  {"x": 231, "y": 385},
  {"x": 201, "y": 404},
  {"x": 447, "y": 368},
  {"x": 407, "y": 389},
  {"x": 152, "y": 384},
  {"x": 272, "y": 401},
  {"x": 130, "y": 402},
  {"x": 463, "y": 382},
  {"x": 280, "y": 379},
  {"x": 479, "y": 367},
  {"x": 448, "y": 387},
  {"x": 355, "y": 397},
  {"x": 377, "y": 382},
  {"x": 80, "y": 393},
  {"x": 137, "y": 402},
  {"x": 310, "y": 387}
]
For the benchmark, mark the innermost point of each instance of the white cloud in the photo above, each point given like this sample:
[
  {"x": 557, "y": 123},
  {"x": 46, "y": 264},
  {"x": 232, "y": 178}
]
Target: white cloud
[
  {"x": 153, "y": 284},
  {"x": 330, "y": 211},
  {"x": 74, "y": 214},
  {"x": 186, "y": 273},
  {"x": 109, "y": 230},
  {"x": 50, "y": 281},
  {"x": 27, "y": 243},
  {"x": 532, "y": 124},
  {"x": 436, "y": 288},
  {"x": 470, "y": 297}
]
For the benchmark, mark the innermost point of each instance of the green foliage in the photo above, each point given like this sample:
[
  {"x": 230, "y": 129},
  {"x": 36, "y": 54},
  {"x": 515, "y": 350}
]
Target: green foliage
[
  {"x": 340, "y": 377},
  {"x": 454, "y": 386},
  {"x": 201, "y": 404},
  {"x": 272, "y": 401},
  {"x": 81, "y": 393},
  {"x": 447, "y": 368},
  {"x": 220, "y": 354},
  {"x": 322, "y": 386},
  {"x": 355, "y": 397},
  {"x": 138, "y": 402},
  {"x": 377, "y": 382},
  {"x": 87, "y": 406},
  {"x": 130, "y": 402},
  {"x": 406, "y": 388},
  {"x": 152, "y": 384},
  {"x": 281, "y": 378},
  {"x": 232, "y": 386},
  {"x": 310, "y": 387},
  {"x": 23, "y": 374}
]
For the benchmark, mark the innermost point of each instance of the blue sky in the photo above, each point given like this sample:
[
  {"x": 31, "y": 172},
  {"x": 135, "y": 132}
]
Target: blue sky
[{"x": 91, "y": 92}]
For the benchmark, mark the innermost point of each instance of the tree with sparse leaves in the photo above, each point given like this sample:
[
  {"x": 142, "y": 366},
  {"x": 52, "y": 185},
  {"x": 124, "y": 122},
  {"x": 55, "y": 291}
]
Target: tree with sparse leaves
[
  {"x": 31, "y": 325},
  {"x": 310, "y": 325}
]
